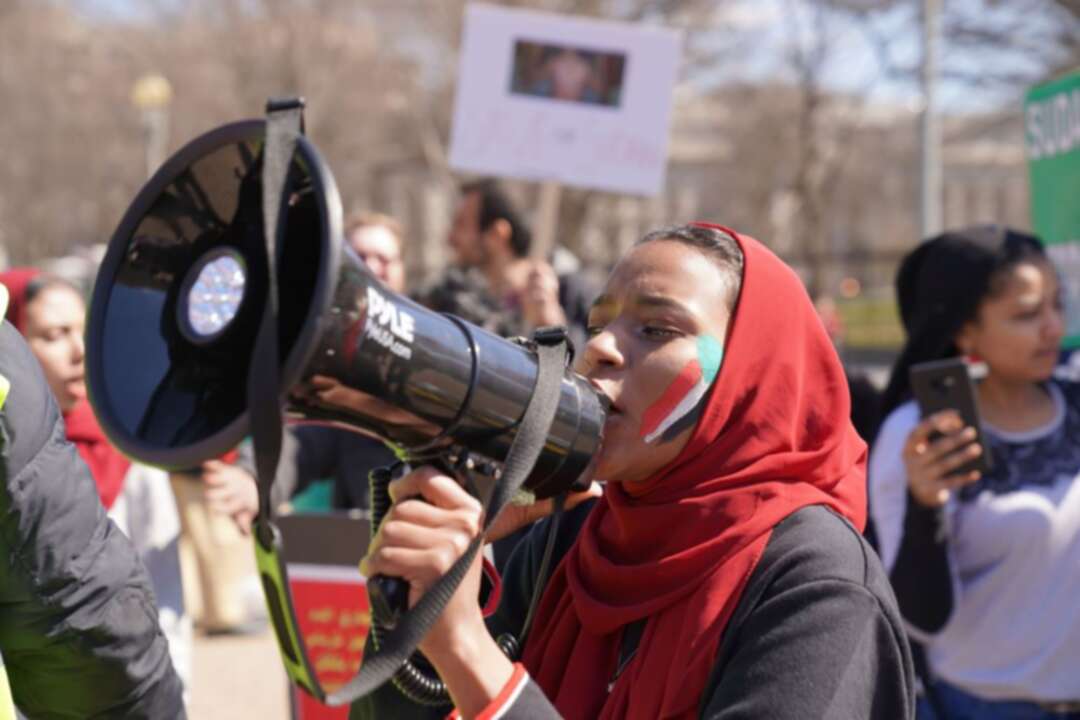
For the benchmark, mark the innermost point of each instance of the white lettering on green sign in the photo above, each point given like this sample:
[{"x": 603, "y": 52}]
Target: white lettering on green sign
[{"x": 1053, "y": 125}]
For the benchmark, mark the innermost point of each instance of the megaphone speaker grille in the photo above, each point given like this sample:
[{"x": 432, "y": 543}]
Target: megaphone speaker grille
[{"x": 211, "y": 295}]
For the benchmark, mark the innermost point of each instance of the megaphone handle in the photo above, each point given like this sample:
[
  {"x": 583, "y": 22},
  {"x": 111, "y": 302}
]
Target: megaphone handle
[{"x": 389, "y": 596}]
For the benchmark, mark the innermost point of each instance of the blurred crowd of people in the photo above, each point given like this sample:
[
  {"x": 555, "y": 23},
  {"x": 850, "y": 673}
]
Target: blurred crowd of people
[{"x": 984, "y": 566}]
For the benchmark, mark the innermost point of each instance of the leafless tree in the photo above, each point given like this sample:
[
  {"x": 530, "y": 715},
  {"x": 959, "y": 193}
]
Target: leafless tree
[{"x": 380, "y": 76}]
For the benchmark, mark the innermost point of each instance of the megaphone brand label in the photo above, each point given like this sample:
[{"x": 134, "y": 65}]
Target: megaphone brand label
[{"x": 388, "y": 325}]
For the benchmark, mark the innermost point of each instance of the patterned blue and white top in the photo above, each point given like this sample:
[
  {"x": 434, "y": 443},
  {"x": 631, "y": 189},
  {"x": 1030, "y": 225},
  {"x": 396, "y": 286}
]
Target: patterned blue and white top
[{"x": 1012, "y": 542}]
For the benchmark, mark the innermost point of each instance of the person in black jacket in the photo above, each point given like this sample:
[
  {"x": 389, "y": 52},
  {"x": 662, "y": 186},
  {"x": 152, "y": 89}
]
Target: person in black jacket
[
  {"x": 495, "y": 282},
  {"x": 722, "y": 573},
  {"x": 79, "y": 630}
]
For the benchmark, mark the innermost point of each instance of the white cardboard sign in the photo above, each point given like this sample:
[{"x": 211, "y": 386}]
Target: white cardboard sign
[{"x": 555, "y": 98}]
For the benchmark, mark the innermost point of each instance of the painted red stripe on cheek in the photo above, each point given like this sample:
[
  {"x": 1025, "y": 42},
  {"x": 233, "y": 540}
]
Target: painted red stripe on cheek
[{"x": 683, "y": 383}]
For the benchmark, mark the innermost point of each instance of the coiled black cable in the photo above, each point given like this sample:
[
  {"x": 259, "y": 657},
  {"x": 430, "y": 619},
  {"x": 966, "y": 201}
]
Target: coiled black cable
[{"x": 419, "y": 684}]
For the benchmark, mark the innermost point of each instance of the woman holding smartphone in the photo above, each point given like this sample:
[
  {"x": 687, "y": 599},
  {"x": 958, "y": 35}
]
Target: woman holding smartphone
[
  {"x": 721, "y": 574},
  {"x": 984, "y": 565}
]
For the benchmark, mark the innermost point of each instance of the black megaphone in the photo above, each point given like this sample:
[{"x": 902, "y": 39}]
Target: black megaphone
[{"x": 176, "y": 307}]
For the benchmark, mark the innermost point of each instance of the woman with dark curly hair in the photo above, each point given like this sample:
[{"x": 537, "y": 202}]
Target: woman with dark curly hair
[{"x": 985, "y": 565}]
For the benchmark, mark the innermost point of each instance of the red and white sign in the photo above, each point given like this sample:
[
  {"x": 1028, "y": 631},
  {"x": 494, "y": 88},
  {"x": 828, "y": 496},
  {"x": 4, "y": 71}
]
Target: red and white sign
[
  {"x": 574, "y": 100},
  {"x": 332, "y": 608}
]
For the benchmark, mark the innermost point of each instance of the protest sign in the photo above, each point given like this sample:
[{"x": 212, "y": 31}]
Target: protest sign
[
  {"x": 554, "y": 98},
  {"x": 322, "y": 553},
  {"x": 1052, "y": 131}
]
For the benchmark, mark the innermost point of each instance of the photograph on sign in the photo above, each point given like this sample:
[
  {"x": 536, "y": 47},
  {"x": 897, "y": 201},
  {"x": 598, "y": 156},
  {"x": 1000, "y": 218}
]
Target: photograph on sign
[
  {"x": 556, "y": 98},
  {"x": 565, "y": 73}
]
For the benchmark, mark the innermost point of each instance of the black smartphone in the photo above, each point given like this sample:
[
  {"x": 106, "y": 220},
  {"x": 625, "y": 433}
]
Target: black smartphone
[{"x": 947, "y": 385}]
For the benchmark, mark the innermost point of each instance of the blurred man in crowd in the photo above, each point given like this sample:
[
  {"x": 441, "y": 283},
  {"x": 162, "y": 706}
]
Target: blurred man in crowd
[
  {"x": 491, "y": 244},
  {"x": 378, "y": 240}
]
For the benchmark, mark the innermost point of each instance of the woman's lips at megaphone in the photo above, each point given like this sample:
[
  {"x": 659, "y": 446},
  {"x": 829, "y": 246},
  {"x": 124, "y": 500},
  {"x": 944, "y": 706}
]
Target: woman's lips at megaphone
[
  {"x": 613, "y": 412},
  {"x": 610, "y": 436},
  {"x": 610, "y": 406}
]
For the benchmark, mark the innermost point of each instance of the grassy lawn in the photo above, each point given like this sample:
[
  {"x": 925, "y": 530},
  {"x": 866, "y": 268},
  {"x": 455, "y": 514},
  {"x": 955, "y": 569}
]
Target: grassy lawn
[{"x": 871, "y": 322}]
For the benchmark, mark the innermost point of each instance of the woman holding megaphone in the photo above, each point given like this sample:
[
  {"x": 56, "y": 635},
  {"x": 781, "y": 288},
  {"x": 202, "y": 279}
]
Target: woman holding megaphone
[{"x": 722, "y": 572}]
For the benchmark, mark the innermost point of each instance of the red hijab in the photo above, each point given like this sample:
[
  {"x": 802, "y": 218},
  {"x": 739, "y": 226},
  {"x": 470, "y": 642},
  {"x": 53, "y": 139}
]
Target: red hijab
[
  {"x": 775, "y": 436},
  {"x": 16, "y": 280},
  {"x": 107, "y": 465}
]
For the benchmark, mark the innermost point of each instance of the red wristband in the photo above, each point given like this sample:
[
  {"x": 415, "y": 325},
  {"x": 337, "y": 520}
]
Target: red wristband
[
  {"x": 506, "y": 697},
  {"x": 496, "y": 588}
]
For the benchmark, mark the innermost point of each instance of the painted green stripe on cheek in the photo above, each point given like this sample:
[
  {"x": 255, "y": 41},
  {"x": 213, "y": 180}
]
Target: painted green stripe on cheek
[{"x": 710, "y": 355}]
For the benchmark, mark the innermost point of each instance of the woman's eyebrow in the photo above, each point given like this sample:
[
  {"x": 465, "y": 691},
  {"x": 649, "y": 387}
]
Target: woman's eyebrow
[
  {"x": 662, "y": 302},
  {"x": 600, "y": 302},
  {"x": 649, "y": 301}
]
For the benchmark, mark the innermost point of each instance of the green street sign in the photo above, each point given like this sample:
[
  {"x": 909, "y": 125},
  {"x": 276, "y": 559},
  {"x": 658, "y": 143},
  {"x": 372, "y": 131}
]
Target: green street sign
[{"x": 1052, "y": 132}]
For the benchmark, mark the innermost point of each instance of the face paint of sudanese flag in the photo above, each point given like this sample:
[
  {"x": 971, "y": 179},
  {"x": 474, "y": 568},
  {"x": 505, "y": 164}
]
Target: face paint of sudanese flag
[{"x": 681, "y": 403}]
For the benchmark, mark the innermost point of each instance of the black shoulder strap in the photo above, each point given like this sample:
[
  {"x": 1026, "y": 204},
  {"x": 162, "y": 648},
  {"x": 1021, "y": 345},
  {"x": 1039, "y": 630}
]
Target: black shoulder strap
[
  {"x": 284, "y": 121},
  {"x": 284, "y": 124}
]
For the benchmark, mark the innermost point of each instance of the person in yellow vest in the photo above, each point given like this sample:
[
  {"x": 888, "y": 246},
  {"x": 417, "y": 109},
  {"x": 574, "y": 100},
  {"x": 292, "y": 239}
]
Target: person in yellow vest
[{"x": 79, "y": 630}]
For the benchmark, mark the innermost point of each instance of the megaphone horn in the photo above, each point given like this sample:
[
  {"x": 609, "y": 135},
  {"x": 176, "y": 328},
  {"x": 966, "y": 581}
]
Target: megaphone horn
[{"x": 176, "y": 306}]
